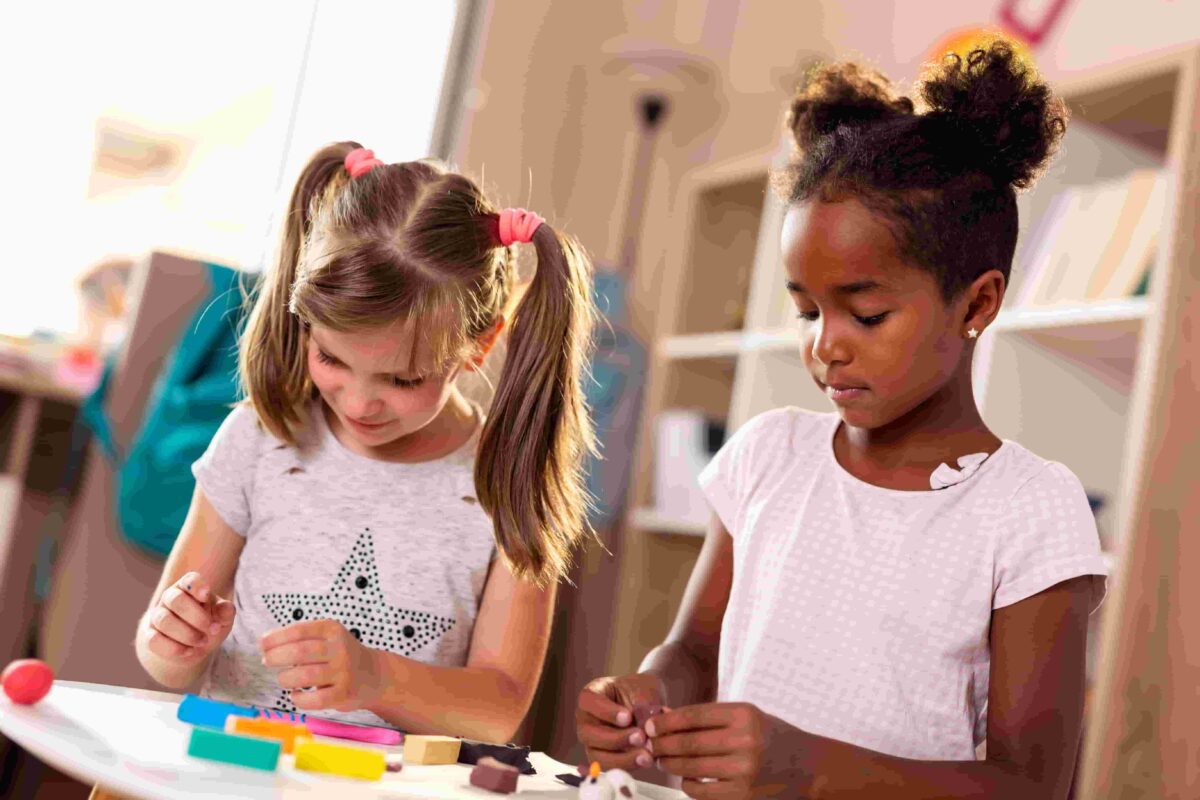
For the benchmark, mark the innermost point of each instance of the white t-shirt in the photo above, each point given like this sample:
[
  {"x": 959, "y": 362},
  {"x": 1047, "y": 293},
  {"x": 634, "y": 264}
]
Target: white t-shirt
[
  {"x": 397, "y": 553},
  {"x": 861, "y": 613}
]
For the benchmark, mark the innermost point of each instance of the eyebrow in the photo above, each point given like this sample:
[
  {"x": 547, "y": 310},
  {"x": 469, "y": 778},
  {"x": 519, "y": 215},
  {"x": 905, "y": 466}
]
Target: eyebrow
[
  {"x": 858, "y": 287},
  {"x": 329, "y": 352}
]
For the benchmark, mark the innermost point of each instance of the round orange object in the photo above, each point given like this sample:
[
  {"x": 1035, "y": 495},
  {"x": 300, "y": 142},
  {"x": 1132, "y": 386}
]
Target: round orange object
[
  {"x": 962, "y": 42},
  {"x": 27, "y": 681}
]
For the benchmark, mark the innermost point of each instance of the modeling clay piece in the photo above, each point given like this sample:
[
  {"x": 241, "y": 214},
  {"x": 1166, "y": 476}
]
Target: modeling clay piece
[
  {"x": 394, "y": 765},
  {"x": 285, "y": 732},
  {"x": 624, "y": 786},
  {"x": 490, "y": 774},
  {"x": 643, "y": 712},
  {"x": 27, "y": 681},
  {"x": 370, "y": 734},
  {"x": 340, "y": 759},
  {"x": 246, "y": 751},
  {"x": 210, "y": 713},
  {"x": 594, "y": 786},
  {"x": 431, "y": 749},
  {"x": 510, "y": 754}
]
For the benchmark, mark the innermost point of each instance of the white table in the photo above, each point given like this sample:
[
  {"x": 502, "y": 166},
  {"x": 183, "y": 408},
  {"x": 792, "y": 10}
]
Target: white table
[{"x": 130, "y": 742}]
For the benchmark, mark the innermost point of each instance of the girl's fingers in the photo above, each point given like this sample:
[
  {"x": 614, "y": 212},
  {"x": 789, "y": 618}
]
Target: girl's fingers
[
  {"x": 716, "y": 742},
  {"x": 167, "y": 623},
  {"x": 317, "y": 699},
  {"x": 715, "y": 790},
  {"x": 308, "y": 675},
  {"x": 628, "y": 760},
  {"x": 722, "y": 767},
  {"x": 187, "y": 608},
  {"x": 602, "y": 708},
  {"x": 164, "y": 646},
  {"x": 194, "y": 584},
  {"x": 307, "y": 651},
  {"x": 606, "y": 737}
]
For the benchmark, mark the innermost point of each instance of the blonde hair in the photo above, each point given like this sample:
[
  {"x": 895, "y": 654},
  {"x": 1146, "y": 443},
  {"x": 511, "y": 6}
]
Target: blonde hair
[{"x": 416, "y": 242}]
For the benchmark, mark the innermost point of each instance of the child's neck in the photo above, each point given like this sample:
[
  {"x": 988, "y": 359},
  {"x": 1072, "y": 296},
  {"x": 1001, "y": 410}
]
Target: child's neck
[{"x": 905, "y": 452}]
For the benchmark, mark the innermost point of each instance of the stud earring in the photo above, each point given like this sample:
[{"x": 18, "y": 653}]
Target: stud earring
[{"x": 972, "y": 333}]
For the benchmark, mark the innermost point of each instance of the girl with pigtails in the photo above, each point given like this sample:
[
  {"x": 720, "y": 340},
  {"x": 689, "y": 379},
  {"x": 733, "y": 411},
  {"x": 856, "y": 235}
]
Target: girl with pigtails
[{"x": 364, "y": 543}]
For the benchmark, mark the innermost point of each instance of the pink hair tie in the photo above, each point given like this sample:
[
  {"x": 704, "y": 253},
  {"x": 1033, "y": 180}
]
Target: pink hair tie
[
  {"x": 518, "y": 225},
  {"x": 360, "y": 161}
]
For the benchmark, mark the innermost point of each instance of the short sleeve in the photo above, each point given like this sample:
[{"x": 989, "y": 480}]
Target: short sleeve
[
  {"x": 225, "y": 473},
  {"x": 1050, "y": 536},
  {"x": 727, "y": 478}
]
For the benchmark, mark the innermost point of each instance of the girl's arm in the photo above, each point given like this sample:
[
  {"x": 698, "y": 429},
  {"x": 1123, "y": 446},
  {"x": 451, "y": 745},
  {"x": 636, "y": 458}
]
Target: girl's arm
[
  {"x": 686, "y": 663},
  {"x": 174, "y": 641},
  {"x": 680, "y": 671},
  {"x": 489, "y": 697},
  {"x": 1035, "y": 708}
]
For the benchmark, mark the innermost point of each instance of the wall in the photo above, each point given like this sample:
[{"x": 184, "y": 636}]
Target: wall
[{"x": 551, "y": 127}]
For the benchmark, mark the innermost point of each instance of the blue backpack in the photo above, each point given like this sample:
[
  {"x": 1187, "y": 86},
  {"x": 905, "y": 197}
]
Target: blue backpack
[{"x": 190, "y": 400}]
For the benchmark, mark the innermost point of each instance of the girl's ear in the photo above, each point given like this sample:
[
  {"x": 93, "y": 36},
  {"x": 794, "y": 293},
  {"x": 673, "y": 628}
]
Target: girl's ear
[
  {"x": 484, "y": 344},
  {"x": 983, "y": 299}
]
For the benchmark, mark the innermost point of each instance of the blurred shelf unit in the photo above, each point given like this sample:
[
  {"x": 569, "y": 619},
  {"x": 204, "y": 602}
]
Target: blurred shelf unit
[{"x": 1068, "y": 376}]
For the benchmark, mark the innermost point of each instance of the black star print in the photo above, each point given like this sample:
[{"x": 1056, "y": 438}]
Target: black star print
[{"x": 356, "y": 601}]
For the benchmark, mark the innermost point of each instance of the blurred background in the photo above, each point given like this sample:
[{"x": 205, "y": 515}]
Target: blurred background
[{"x": 150, "y": 147}]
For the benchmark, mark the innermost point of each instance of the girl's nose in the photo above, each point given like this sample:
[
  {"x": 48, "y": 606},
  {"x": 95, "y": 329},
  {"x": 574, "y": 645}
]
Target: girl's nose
[
  {"x": 829, "y": 345},
  {"x": 360, "y": 403}
]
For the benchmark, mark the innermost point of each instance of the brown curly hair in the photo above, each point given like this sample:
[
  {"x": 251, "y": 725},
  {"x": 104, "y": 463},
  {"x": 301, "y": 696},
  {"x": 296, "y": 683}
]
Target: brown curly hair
[{"x": 944, "y": 178}]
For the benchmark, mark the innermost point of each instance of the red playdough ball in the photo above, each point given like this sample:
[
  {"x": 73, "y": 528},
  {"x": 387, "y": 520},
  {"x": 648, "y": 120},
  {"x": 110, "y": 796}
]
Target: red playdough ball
[{"x": 27, "y": 681}]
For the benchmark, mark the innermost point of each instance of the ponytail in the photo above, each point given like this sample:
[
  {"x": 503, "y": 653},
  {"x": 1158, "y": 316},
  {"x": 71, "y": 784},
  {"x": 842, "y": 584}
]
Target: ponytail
[
  {"x": 530, "y": 471},
  {"x": 272, "y": 356}
]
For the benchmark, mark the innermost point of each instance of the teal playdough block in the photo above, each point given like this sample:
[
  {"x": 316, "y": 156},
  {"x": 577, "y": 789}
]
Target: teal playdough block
[
  {"x": 211, "y": 713},
  {"x": 246, "y": 751}
]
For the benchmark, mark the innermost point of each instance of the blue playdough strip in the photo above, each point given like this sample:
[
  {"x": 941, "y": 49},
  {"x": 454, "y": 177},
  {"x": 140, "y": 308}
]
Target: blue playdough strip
[{"x": 210, "y": 713}]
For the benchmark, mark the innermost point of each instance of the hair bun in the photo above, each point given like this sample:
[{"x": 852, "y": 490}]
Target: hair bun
[
  {"x": 1011, "y": 116},
  {"x": 842, "y": 95}
]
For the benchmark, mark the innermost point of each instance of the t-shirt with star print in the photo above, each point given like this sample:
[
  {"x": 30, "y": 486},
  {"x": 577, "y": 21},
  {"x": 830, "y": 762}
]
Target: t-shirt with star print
[{"x": 397, "y": 553}]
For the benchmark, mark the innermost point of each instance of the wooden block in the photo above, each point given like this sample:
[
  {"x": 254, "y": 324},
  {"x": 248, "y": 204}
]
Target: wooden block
[
  {"x": 431, "y": 749},
  {"x": 340, "y": 759},
  {"x": 285, "y": 732},
  {"x": 196, "y": 710},
  {"x": 490, "y": 774},
  {"x": 246, "y": 751}
]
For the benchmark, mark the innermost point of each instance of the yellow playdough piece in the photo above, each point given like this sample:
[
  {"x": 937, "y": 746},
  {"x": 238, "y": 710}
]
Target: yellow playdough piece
[
  {"x": 285, "y": 732},
  {"x": 431, "y": 749},
  {"x": 340, "y": 759}
]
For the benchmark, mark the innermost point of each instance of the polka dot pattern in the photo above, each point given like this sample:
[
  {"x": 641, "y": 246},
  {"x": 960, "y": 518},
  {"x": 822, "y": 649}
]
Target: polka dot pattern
[
  {"x": 862, "y": 613},
  {"x": 356, "y": 600}
]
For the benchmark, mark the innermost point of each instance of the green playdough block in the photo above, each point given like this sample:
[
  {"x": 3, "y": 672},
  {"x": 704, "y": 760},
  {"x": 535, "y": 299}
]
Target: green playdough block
[{"x": 246, "y": 751}]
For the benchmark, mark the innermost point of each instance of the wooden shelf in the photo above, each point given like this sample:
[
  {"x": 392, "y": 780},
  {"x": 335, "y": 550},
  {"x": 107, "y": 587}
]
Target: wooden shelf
[
  {"x": 1056, "y": 319},
  {"x": 648, "y": 519},
  {"x": 725, "y": 344},
  {"x": 1073, "y": 315}
]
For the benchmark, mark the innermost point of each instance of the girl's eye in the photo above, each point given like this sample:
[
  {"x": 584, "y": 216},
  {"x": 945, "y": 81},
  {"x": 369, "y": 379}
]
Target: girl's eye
[
  {"x": 807, "y": 316},
  {"x": 404, "y": 383},
  {"x": 325, "y": 358},
  {"x": 871, "y": 321}
]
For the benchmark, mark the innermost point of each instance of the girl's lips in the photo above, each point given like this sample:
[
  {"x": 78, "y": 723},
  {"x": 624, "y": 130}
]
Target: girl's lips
[
  {"x": 842, "y": 392},
  {"x": 365, "y": 426}
]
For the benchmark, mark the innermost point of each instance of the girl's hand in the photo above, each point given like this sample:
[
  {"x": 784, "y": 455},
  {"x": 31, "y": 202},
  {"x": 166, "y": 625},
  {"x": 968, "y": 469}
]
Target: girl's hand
[
  {"x": 725, "y": 750},
  {"x": 188, "y": 622},
  {"x": 321, "y": 654},
  {"x": 604, "y": 720}
]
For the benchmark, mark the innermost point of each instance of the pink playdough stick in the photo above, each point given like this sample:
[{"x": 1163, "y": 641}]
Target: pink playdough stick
[{"x": 340, "y": 730}]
